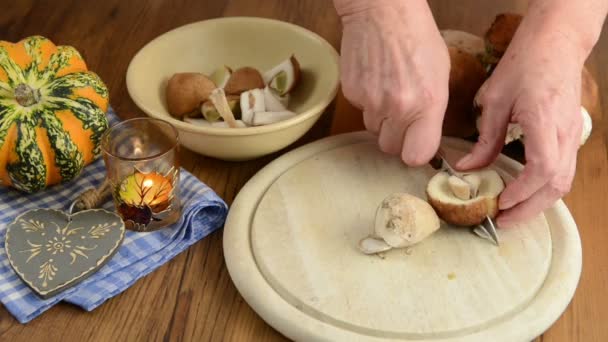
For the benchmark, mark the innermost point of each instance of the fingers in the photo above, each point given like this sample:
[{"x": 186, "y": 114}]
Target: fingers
[
  {"x": 391, "y": 137},
  {"x": 373, "y": 121},
  {"x": 492, "y": 130},
  {"x": 543, "y": 198},
  {"x": 542, "y": 159},
  {"x": 539, "y": 201},
  {"x": 423, "y": 136},
  {"x": 566, "y": 148}
]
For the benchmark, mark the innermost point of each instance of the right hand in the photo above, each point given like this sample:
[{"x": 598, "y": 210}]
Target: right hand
[{"x": 395, "y": 66}]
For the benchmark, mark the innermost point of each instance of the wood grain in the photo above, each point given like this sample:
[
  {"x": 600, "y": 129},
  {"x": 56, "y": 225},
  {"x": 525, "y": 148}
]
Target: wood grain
[
  {"x": 192, "y": 297},
  {"x": 309, "y": 216}
]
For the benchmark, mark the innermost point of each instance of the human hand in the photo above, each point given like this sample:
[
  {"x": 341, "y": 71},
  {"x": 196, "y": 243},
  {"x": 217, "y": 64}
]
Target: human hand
[
  {"x": 395, "y": 67},
  {"x": 536, "y": 84}
]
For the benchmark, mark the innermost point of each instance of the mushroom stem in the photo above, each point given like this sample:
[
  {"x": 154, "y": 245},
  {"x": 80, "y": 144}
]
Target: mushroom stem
[
  {"x": 460, "y": 188},
  {"x": 218, "y": 97}
]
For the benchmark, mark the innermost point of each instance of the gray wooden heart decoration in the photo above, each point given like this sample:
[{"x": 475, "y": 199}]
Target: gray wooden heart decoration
[{"x": 51, "y": 250}]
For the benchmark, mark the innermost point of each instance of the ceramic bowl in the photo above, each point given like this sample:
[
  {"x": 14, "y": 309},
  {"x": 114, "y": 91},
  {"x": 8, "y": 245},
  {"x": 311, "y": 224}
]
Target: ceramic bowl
[{"x": 236, "y": 42}]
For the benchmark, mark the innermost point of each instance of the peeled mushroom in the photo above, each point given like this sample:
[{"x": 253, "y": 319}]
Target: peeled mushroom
[
  {"x": 468, "y": 200},
  {"x": 466, "y": 187},
  {"x": 274, "y": 102},
  {"x": 211, "y": 114},
  {"x": 261, "y": 107},
  {"x": 283, "y": 77},
  {"x": 220, "y": 102},
  {"x": 402, "y": 220},
  {"x": 252, "y": 101},
  {"x": 221, "y": 76}
]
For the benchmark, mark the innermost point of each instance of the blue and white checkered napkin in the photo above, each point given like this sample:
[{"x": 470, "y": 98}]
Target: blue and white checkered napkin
[{"x": 140, "y": 253}]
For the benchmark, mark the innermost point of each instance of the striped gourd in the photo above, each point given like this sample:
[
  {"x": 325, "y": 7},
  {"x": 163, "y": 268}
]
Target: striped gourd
[{"x": 52, "y": 114}]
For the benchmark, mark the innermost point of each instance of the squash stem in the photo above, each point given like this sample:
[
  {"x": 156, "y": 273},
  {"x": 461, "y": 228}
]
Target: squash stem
[{"x": 26, "y": 96}]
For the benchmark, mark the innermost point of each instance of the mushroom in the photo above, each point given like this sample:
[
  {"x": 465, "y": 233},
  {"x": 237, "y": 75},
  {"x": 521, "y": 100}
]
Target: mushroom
[
  {"x": 283, "y": 77},
  {"x": 402, "y": 220},
  {"x": 515, "y": 132},
  {"x": 274, "y": 102},
  {"x": 497, "y": 39},
  {"x": 243, "y": 79},
  {"x": 211, "y": 114},
  {"x": 219, "y": 100},
  {"x": 466, "y": 187},
  {"x": 252, "y": 101},
  {"x": 186, "y": 91},
  {"x": 467, "y": 74},
  {"x": 449, "y": 197},
  {"x": 221, "y": 76},
  {"x": 499, "y": 35}
]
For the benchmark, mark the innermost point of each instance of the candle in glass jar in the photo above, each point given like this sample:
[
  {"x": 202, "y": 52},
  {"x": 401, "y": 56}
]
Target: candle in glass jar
[{"x": 152, "y": 189}]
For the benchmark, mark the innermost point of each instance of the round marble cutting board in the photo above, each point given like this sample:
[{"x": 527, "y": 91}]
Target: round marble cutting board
[{"x": 290, "y": 244}]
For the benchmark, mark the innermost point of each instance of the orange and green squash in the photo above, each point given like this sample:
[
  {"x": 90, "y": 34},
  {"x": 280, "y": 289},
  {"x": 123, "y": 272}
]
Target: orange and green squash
[{"x": 52, "y": 114}]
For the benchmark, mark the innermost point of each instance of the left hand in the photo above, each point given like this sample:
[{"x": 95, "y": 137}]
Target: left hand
[{"x": 536, "y": 84}]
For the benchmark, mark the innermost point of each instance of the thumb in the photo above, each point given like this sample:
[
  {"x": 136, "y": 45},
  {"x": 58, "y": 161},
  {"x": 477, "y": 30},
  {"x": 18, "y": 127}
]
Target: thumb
[{"x": 492, "y": 130}]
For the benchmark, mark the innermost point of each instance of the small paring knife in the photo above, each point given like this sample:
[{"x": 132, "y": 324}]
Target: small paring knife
[{"x": 485, "y": 230}]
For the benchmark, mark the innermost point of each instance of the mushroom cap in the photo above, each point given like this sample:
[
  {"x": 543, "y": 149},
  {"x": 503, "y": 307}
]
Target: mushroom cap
[
  {"x": 403, "y": 220},
  {"x": 467, "y": 74},
  {"x": 461, "y": 212},
  {"x": 243, "y": 79},
  {"x": 289, "y": 73},
  {"x": 499, "y": 35},
  {"x": 185, "y": 92}
]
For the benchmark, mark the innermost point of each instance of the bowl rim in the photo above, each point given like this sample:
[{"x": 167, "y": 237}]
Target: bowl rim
[{"x": 316, "y": 109}]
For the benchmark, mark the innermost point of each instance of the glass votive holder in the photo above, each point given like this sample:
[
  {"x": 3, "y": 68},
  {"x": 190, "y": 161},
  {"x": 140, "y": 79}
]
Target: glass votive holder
[{"x": 142, "y": 168}]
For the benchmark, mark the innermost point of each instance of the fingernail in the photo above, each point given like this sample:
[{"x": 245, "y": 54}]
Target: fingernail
[
  {"x": 409, "y": 157},
  {"x": 505, "y": 204},
  {"x": 463, "y": 163}
]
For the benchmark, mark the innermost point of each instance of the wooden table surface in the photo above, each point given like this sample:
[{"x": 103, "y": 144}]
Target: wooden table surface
[{"x": 192, "y": 296}]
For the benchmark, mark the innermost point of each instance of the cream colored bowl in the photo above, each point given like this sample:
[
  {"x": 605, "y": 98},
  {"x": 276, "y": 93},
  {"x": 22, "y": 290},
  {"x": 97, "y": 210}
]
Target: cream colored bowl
[{"x": 236, "y": 42}]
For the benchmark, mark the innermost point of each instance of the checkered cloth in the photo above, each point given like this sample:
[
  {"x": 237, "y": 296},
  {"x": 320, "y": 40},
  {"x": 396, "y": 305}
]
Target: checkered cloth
[{"x": 140, "y": 253}]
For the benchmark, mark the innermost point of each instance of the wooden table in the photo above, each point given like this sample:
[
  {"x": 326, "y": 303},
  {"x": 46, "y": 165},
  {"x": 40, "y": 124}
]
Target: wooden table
[{"x": 192, "y": 297}]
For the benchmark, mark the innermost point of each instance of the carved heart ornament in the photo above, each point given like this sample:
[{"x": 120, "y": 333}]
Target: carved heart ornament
[{"x": 51, "y": 250}]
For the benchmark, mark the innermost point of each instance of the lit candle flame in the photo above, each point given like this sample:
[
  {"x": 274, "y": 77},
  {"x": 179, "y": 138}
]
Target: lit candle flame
[
  {"x": 148, "y": 183},
  {"x": 152, "y": 189}
]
